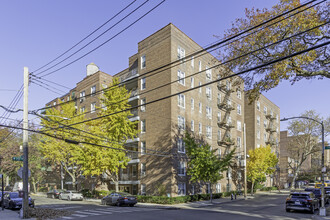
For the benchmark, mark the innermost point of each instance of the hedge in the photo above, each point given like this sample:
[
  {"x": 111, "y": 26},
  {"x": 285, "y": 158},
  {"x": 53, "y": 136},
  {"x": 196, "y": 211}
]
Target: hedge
[{"x": 179, "y": 199}]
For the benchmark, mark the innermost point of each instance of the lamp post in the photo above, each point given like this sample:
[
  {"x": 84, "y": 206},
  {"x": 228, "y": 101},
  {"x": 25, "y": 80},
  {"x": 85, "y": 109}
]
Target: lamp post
[{"x": 323, "y": 170}]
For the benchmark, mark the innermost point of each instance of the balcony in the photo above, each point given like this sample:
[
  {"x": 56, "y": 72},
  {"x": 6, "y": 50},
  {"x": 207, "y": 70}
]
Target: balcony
[
  {"x": 134, "y": 95},
  {"x": 135, "y": 116},
  {"x": 271, "y": 129},
  {"x": 222, "y": 87},
  {"x": 129, "y": 141},
  {"x": 270, "y": 117},
  {"x": 226, "y": 124},
  {"x": 226, "y": 141},
  {"x": 270, "y": 142},
  {"x": 225, "y": 106},
  {"x": 130, "y": 75},
  {"x": 134, "y": 156}
]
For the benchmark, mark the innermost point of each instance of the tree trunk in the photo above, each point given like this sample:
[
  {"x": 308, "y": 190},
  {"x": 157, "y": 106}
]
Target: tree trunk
[
  {"x": 34, "y": 184},
  {"x": 211, "y": 192},
  {"x": 252, "y": 187},
  {"x": 294, "y": 178},
  {"x": 117, "y": 186}
]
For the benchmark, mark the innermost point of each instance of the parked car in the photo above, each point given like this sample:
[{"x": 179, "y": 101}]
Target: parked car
[
  {"x": 304, "y": 200},
  {"x": 4, "y": 192},
  {"x": 318, "y": 194},
  {"x": 12, "y": 200},
  {"x": 54, "y": 193},
  {"x": 311, "y": 185},
  {"x": 119, "y": 198},
  {"x": 71, "y": 195},
  {"x": 327, "y": 190}
]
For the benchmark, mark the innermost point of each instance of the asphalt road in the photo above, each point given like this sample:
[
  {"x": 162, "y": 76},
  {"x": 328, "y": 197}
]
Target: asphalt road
[{"x": 261, "y": 207}]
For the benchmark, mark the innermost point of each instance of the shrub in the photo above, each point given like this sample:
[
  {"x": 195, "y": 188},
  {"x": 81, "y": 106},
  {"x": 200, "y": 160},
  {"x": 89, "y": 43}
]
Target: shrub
[{"x": 43, "y": 189}]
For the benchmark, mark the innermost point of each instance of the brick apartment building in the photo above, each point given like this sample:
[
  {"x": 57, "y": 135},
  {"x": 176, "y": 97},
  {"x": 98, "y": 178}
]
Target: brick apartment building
[{"x": 216, "y": 113}]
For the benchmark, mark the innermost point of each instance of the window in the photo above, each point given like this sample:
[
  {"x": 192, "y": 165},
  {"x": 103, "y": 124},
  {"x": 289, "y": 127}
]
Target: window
[
  {"x": 93, "y": 107},
  {"x": 192, "y": 126},
  {"x": 219, "y": 152},
  {"x": 265, "y": 110},
  {"x": 208, "y": 73},
  {"x": 200, "y": 88},
  {"x": 68, "y": 98},
  {"x": 181, "y": 123},
  {"x": 181, "y": 101},
  {"x": 182, "y": 168},
  {"x": 200, "y": 107},
  {"x": 219, "y": 116},
  {"x": 228, "y": 85},
  {"x": 93, "y": 90},
  {"x": 143, "y": 169},
  {"x": 82, "y": 96},
  {"x": 258, "y": 120},
  {"x": 218, "y": 188},
  {"x": 181, "y": 76},
  {"x": 258, "y": 145},
  {"x": 239, "y": 142},
  {"x": 143, "y": 147},
  {"x": 219, "y": 98},
  {"x": 192, "y": 62},
  {"x": 82, "y": 109},
  {"x": 143, "y": 189},
  {"x": 143, "y": 83},
  {"x": 134, "y": 170},
  {"x": 143, "y": 126},
  {"x": 181, "y": 145},
  {"x": 258, "y": 105},
  {"x": 239, "y": 125},
  {"x": 192, "y": 103},
  {"x": 200, "y": 128},
  {"x": 143, "y": 61},
  {"x": 219, "y": 135},
  {"x": 265, "y": 123},
  {"x": 192, "y": 82},
  {"x": 229, "y": 173},
  {"x": 277, "y": 119},
  {"x": 181, "y": 52},
  {"x": 239, "y": 94},
  {"x": 265, "y": 136},
  {"x": 208, "y": 93},
  {"x": 208, "y": 112},
  {"x": 199, "y": 65},
  {"x": 258, "y": 134},
  {"x": 143, "y": 107},
  {"x": 239, "y": 109},
  {"x": 181, "y": 189},
  {"x": 209, "y": 132}
]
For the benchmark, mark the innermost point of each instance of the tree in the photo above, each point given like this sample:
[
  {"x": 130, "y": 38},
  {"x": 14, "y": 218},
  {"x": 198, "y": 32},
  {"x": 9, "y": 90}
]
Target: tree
[
  {"x": 59, "y": 151},
  {"x": 116, "y": 130},
  {"x": 262, "y": 162},
  {"x": 311, "y": 65},
  {"x": 305, "y": 140},
  {"x": 203, "y": 164}
]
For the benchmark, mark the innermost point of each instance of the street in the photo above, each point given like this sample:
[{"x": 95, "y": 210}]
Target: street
[{"x": 263, "y": 206}]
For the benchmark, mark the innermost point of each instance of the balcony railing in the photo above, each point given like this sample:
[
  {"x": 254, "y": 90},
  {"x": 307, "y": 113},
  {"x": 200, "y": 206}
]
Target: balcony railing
[
  {"x": 132, "y": 73},
  {"x": 222, "y": 87},
  {"x": 225, "y": 141},
  {"x": 225, "y": 124},
  {"x": 225, "y": 106},
  {"x": 271, "y": 129},
  {"x": 132, "y": 155},
  {"x": 270, "y": 117}
]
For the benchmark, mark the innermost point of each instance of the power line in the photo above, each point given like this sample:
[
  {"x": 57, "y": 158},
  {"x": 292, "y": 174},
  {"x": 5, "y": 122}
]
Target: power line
[
  {"x": 214, "y": 81},
  {"x": 46, "y": 88},
  {"x": 12, "y": 104},
  {"x": 251, "y": 52},
  {"x": 161, "y": 69},
  {"x": 47, "y": 85},
  {"x": 86, "y": 36},
  {"x": 127, "y": 27}
]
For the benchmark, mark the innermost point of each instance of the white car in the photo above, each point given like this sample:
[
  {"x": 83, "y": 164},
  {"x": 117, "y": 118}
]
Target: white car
[{"x": 71, "y": 195}]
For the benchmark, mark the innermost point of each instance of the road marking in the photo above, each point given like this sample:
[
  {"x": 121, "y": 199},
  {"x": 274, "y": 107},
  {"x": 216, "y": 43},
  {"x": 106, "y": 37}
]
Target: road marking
[
  {"x": 67, "y": 217},
  {"x": 81, "y": 216},
  {"x": 87, "y": 213}
]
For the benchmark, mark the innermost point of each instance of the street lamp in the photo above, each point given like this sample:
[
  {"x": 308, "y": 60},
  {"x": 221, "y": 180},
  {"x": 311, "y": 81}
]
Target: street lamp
[{"x": 322, "y": 209}]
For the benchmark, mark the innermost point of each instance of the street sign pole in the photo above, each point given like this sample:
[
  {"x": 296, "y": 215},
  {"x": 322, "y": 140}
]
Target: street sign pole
[{"x": 2, "y": 191}]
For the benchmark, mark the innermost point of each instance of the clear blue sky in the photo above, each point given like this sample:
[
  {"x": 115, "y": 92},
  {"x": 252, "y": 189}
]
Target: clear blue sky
[{"x": 36, "y": 31}]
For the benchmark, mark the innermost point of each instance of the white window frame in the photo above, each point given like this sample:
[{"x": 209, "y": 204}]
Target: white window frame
[
  {"x": 218, "y": 188},
  {"x": 239, "y": 142},
  {"x": 82, "y": 109},
  {"x": 200, "y": 128},
  {"x": 258, "y": 105},
  {"x": 192, "y": 103},
  {"x": 258, "y": 120},
  {"x": 192, "y": 62},
  {"x": 181, "y": 145},
  {"x": 208, "y": 112},
  {"x": 239, "y": 94},
  {"x": 208, "y": 73},
  {"x": 143, "y": 83},
  {"x": 239, "y": 109},
  {"x": 143, "y": 169},
  {"x": 143, "y": 62},
  {"x": 192, "y": 125},
  {"x": 181, "y": 189},
  {"x": 181, "y": 101},
  {"x": 93, "y": 90},
  {"x": 258, "y": 134},
  {"x": 209, "y": 132},
  {"x": 200, "y": 106},
  {"x": 143, "y": 106},
  {"x": 181, "y": 122},
  {"x": 143, "y": 189},
  {"x": 200, "y": 88},
  {"x": 208, "y": 92},
  {"x": 181, "y": 168},
  {"x": 93, "y": 107},
  {"x": 265, "y": 110},
  {"x": 181, "y": 53},
  {"x": 192, "y": 82},
  {"x": 199, "y": 66},
  {"x": 181, "y": 77},
  {"x": 143, "y": 126},
  {"x": 143, "y": 148},
  {"x": 239, "y": 125},
  {"x": 82, "y": 95}
]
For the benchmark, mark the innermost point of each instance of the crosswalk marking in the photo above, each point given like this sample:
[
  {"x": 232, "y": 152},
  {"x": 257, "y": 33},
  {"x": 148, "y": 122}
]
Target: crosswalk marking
[
  {"x": 81, "y": 216},
  {"x": 87, "y": 213}
]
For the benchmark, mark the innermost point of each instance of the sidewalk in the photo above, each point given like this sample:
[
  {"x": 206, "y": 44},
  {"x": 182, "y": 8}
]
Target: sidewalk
[{"x": 9, "y": 214}]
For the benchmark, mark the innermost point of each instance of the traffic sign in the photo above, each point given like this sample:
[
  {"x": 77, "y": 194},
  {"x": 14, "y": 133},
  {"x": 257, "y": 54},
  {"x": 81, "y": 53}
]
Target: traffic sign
[
  {"x": 18, "y": 158},
  {"x": 327, "y": 147}
]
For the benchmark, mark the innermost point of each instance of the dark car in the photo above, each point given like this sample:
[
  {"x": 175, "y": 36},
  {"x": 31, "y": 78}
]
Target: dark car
[
  {"x": 327, "y": 190},
  {"x": 302, "y": 201},
  {"x": 119, "y": 198},
  {"x": 12, "y": 200},
  {"x": 318, "y": 194},
  {"x": 54, "y": 193}
]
